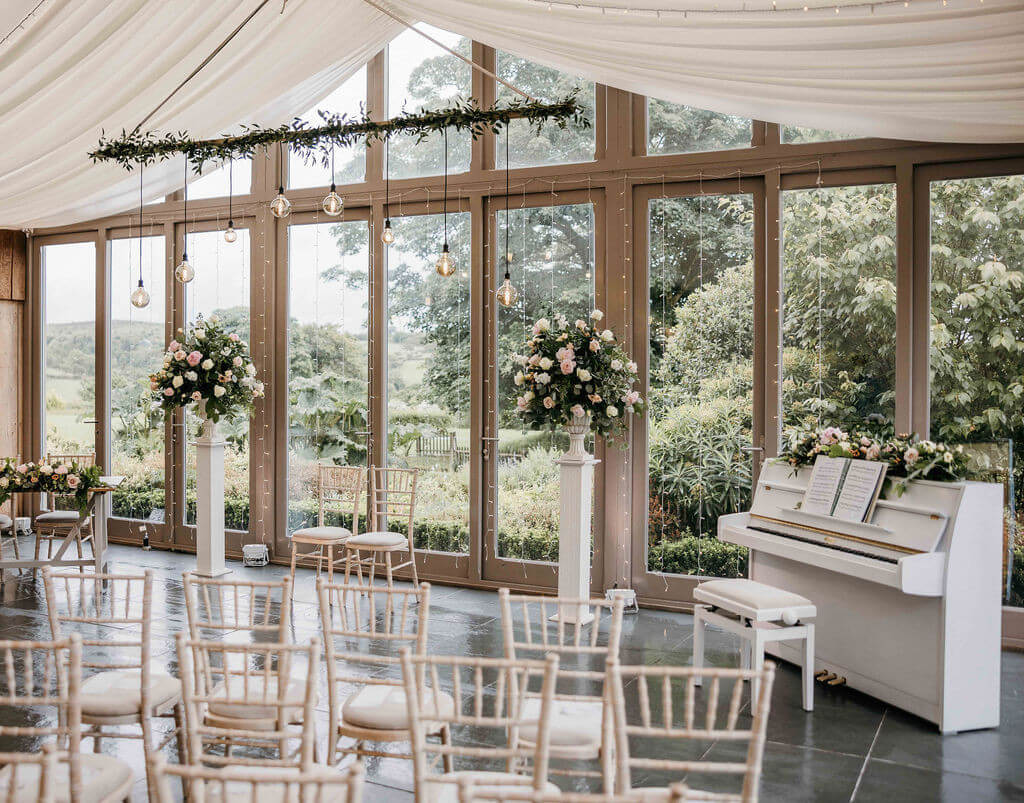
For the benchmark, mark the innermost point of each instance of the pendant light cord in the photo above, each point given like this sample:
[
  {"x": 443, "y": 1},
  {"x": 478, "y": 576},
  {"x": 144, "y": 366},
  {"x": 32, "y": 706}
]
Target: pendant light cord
[
  {"x": 140, "y": 222},
  {"x": 231, "y": 190},
  {"x": 184, "y": 236},
  {"x": 332, "y": 167},
  {"x": 445, "y": 205},
  {"x": 387, "y": 179},
  {"x": 507, "y": 276}
]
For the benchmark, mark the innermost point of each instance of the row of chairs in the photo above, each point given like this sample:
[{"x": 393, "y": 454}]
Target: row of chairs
[{"x": 554, "y": 702}]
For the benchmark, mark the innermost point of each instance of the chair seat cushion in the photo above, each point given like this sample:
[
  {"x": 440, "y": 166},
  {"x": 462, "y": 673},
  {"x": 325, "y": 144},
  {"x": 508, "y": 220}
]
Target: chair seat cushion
[
  {"x": 5, "y": 522},
  {"x": 574, "y": 723},
  {"x": 234, "y": 708},
  {"x": 103, "y": 778},
  {"x": 118, "y": 693},
  {"x": 379, "y": 540},
  {"x": 58, "y": 517},
  {"x": 678, "y": 793},
  {"x": 321, "y": 535},
  {"x": 240, "y": 791},
  {"x": 757, "y": 601},
  {"x": 445, "y": 788},
  {"x": 384, "y": 708}
]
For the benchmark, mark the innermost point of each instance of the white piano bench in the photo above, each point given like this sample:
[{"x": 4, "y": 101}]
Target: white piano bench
[{"x": 758, "y": 614}]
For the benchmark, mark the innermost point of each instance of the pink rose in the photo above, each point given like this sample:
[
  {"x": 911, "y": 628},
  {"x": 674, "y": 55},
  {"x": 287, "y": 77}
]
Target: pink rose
[
  {"x": 594, "y": 397},
  {"x": 196, "y": 395},
  {"x": 168, "y": 391},
  {"x": 595, "y": 345},
  {"x": 22, "y": 468},
  {"x": 179, "y": 354},
  {"x": 577, "y": 410},
  {"x": 567, "y": 366},
  {"x": 194, "y": 358},
  {"x": 72, "y": 481},
  {"x": 521, "y": 403},
  {"x": 632, "y": 397},
  {"x": 174, "y": 345},
  {"x": 233, "y": 337},
  {"x": 61, "y": 469},
  {"x": 237, "y": 362},
  {"x": 549, "y": 402},
  {"x": 565, "y": 353}
]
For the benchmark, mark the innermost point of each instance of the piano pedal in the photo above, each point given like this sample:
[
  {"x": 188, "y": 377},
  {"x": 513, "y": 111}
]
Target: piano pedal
[
  {"x": 826, "y": 677},
  {"x": 837, "y": 681}
]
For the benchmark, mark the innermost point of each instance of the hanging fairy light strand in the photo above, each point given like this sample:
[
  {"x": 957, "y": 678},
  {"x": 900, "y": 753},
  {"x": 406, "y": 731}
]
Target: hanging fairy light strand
[
  {"x": 507, "y": 293},
  {"x": 185, "y": 273},
  {"x": 140, "y": 295}
]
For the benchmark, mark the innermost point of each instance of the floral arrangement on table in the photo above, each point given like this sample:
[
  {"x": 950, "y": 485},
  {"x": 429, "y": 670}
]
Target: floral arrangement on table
[
  {"x": 71, "y": 480},
  {"x": 209, "y": 367},
  {"x": 909, "y": 457},
  {"x": 574, "y": 372}
]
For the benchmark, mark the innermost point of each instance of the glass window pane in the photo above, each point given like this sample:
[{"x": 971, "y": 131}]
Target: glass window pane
[
  {"x": 839, "y": 322},
  {"x": 977, "y": 340},
  {"x": 218, "y": 183},
  {"x": 328, "y": 270},
  {"x": 350, "y": 162},
  {"x": 423, "y": 76},
  {"x": 674, "y": 128},
  {"x": 221, "y": 287},
  {"x": 792, "y": 135},
  {"x": 553, "y": 270},
  {"x": 552, "y": 145},
  {"x": 136, "y": 341},
  {"x": 700, "y": 369},
  {"x": 428, "y": 375},
  {"x": 69, "y": 356}
]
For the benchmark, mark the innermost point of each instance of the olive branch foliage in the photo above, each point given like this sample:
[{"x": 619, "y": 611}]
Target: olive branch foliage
[{"x": 315, "y": 143}]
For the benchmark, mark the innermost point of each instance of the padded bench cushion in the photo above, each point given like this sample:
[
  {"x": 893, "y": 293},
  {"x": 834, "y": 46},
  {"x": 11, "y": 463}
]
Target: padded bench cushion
[
  {"x": 58, "y": 517},
  {"x": 321, "y": 535},
  {"x": 378, "y": 540},
  {"x": 756, "y": 601}
]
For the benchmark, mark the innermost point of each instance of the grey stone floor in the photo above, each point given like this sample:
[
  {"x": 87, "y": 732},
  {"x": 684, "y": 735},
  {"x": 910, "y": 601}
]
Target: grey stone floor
[{"x": 851, "y": 748}]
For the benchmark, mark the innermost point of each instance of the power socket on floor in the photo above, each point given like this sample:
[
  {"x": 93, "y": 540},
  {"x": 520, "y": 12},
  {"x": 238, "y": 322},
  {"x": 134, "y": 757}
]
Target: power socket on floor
[
  {"x": 23, "y": 524},
  {"x": 627, "y": 595}
]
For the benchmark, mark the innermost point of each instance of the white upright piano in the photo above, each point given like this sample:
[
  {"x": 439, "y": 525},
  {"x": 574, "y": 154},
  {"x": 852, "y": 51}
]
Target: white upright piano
[{"x": 909, "y": 603}]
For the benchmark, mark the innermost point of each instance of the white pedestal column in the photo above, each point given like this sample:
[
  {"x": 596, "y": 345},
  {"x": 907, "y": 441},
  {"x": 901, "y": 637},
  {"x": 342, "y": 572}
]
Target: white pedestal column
[
  {"x": 210, "y": 502},
  {"x": 576, "y": 483}
]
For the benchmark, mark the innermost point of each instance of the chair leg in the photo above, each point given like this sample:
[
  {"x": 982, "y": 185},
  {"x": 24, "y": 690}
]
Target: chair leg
[
  {"x": 319, "y": 552},
  {"x": 330, "y": 564},
  {"x": 36, "y": 556},
  {"x": 387, "y": 569},
  {"x": 293, "y": 563},
  {"x": 348, "y": 564},
  {"x": 698, "y": 641},
  {"x": 81, "y": 554},
  {"x": 446, "y": 739},
  {"x": 359, "y": 566},
  {"x": 179, "y": 736},
  {"x": 808, "y": 669},
  {"x": 412, "y": 558},
  {"x": 147, "y": 750},
  {"x": 373, "y": 564}
]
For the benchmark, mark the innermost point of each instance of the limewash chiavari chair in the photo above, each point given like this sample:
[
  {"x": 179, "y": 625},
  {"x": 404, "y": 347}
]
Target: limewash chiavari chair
[
  {"x": 313, "y": 784},
  {"x": 39, "y": 690},
  {"x": 661, "y": 718},
  {"x": 363, "y": 632},
  {"x": 53, "y": 524},
  {"x": 581, "y": 719},
  {"x": 392, "y": 496},
  {"x": 116, "y": 613},
  {"x": 340, "y": 489},
  {"x": 242, "y": 695},
  {"x": 29, "y": 771},
  {"x": 262, "y": 608},
  {"x": 470, "y": 792},
  {"x": 483, "y": 727}
]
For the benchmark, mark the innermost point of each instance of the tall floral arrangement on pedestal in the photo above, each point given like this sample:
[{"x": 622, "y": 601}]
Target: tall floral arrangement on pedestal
[
  {"x": 572, "y": 372},
  {"x": 209, "y": 367}
]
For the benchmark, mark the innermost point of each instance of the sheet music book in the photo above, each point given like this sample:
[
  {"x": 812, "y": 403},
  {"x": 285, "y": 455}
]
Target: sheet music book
[{"x": 843, "y": 487}]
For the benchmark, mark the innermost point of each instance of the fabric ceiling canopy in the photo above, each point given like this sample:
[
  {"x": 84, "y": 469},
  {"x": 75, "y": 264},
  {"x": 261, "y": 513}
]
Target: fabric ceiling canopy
[{"x": 928, "y": 72}]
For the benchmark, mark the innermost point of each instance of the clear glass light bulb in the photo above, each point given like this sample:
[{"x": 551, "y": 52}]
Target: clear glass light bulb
[
  {"x": 388, "y": 235},
  {"x": 280, "y": 206},
  {"x": 507, "y": 294},
  {"x": 230, "y": 235},
  {"x": 333, "y": 203},
  {"x": 184, "y": 273},
  {"x": 509, "y": 256},
  {"x": 140, "y": 296},
  {"x": 547, "y": 255},
  {"x": 445, "y": 264}
]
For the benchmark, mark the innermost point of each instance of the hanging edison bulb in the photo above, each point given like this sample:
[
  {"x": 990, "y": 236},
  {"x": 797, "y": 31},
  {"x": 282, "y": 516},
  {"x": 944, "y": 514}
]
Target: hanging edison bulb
[
  {"x": 445, "y": 264},
  {"x": 388, "y": 235},
  {"x": 507, "y": 294},
  {"x": 184, "y": 273},
  {"x": 280, "y": 206},
  {"x": 230, "y": 235},
  {"x": 333, "y": 204},
  {"x": 547, "y": 255},
  {"x": 140, "y": 296}
]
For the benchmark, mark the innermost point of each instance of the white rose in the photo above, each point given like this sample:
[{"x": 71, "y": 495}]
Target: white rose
[
  {"x": 177, "y": 381},
  {"x": 250, "y": 369},
  {"x": 632, "y": 367},
  {"x": 225, "y": 351},
  {"x": 583, "y": 374},
  {"x": 237, "y": 362},
  {"x": 200, "y": 334},
  {"x": 529, "y": 395},
  {"x": 581, "y": 325},
  {"x": 545, "y": 363},
  {"x": 543, "y": 325},
  {"x": 191, "y": 376},
  {"x": 219, "y": 391},
  {"x": 214, "y": 319},
  {"x": 607, "y": 335},
  {"x": 543, "y": 379},
  {"x": 207, "y": 364},
  {"x": 616, "y": 365},
  {"x": 597, "y": 315},
  {"x": 612, "y": 411},
  {"x": 518, "y": 379},
  {"x": 45, "y": 469}
]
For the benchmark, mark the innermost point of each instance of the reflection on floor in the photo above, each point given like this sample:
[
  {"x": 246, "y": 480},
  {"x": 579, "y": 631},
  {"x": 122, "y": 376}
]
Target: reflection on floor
[{"x": 850, "y": 748}]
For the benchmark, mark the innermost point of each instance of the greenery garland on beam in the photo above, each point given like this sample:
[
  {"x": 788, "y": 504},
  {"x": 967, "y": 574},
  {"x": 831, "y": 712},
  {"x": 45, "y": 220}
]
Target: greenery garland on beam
[{"x": 338, "y": 130}]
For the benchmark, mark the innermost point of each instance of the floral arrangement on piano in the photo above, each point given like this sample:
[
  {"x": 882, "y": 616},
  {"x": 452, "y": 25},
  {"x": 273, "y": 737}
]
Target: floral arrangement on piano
[
  {"x": 574, "y": 372},
  {"x": 209, "y": 365},
  {"x": 909, "y": 457},
  {"x": 71, "y": 480}
]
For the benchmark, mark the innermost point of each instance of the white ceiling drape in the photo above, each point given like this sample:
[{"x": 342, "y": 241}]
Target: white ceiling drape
[{"x": 928, "y": 71}]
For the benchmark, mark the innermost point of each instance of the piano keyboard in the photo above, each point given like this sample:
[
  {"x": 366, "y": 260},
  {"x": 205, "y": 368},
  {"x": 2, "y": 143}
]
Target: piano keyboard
[{"x": 831, "y": 545}]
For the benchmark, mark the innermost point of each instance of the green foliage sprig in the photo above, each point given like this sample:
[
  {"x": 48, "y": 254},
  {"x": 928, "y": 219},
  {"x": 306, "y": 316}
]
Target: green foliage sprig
[
  {"x": 57, "y": 477},
  {"x": 314, "y": 144}
]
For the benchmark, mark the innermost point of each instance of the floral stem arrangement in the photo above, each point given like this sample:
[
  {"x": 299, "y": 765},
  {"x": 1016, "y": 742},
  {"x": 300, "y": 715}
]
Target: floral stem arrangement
[
  {"x": 57, "y": 477},
  {"x": 577, "y": 371},
  {"x": 208, "y": 365},
  {"x": 909, "y": 457}
]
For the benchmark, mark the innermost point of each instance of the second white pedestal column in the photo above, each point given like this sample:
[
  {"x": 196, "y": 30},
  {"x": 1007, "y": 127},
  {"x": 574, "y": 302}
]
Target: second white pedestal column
[
  {"x": 210, "y": 502},
  {"x": 576, "y": 482}
]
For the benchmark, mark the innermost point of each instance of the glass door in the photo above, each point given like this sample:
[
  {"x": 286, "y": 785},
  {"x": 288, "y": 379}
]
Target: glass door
[
  {"x": 702, "y": 382},
  {"x": 554, "y": 265}
]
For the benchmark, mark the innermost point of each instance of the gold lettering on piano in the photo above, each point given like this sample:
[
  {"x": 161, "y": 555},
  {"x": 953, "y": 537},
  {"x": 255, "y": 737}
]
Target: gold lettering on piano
[{"x": 837, "y": 538}]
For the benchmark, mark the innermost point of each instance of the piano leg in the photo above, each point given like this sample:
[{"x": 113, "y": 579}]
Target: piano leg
[
  {"x": 808, "y": 669},
  {"x": 698, "y": 640},
  {"x": 757, "y": 659}
]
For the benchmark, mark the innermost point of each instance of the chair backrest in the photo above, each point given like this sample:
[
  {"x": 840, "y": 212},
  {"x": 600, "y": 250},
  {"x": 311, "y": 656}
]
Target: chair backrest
[
  {"x": 313, "y": 784},
  {"x": 40, "y": 675},
  {"x": 19, "y": 774},
  {"x": 217, "y": 606},
  {"x": 533, "y": 626},
  {"x": 364, "y": 628},
  {"x": 225, "y": 684},
  {"x": 110, "y": 612},
  {"x": 392, "y": 495},
  {"x": 479, "y": 702},
  {"x": 83, "y": 460},
  {"x": 340, "y": 489},
  {"x": 670, "y": 711}
]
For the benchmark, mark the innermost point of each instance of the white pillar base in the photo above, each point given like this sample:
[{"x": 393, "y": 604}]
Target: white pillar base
[
  {"x": 576, "y": 490},
  {"x": 210, "y": 503}
]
